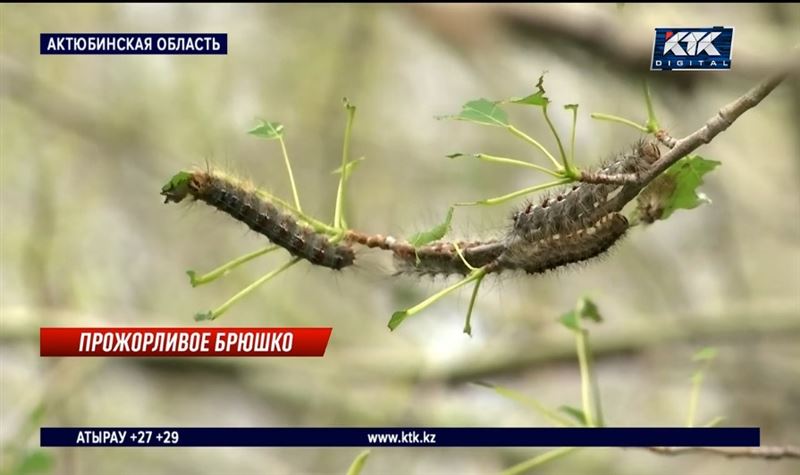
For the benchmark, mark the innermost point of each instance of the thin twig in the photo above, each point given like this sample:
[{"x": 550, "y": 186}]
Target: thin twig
[
  {"x": 705, "y": 134},
  {"x": 764, "y": 452}
]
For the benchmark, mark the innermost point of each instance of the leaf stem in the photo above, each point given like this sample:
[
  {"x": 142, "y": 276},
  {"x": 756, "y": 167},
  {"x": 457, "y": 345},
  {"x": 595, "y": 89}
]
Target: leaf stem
[
  {"x": 652, "y": 122},
  {"x": 289, "y": 170},
  {"x": 314, "y": 223},
  {"x": 399, "y": 316},
  {"x": 540, "y": 459},
  {"x": 620, "y": 120},
  {"x": 694, "y": 396},
  {"x": 473, "y": 298},
  {"x": 534, "y": 404},
  {"x": 590, "y": 394},
  {"x": 558, "y": 139},
  {"x": 216, "y": 313},
  {"x": 338, "y": 213},
  {"x": 512, "y": 161},
  {"x": 461, "y": 256},
  {"x": 511, "y": 196},
  {"x": 570, "y": 164},
  {"x": 358, "y": 463},
  {"x": 536, "y": 144},
  {"x": 227, "y": 267}
]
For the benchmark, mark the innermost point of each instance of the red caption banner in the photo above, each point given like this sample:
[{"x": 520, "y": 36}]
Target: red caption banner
[{"x": 157, "y": 341}]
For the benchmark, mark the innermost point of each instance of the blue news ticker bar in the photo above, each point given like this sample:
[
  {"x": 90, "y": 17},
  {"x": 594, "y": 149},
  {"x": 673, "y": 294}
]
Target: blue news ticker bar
[
  {"x": 133, "y": 43},
  {"x": 371, "y": 436}
]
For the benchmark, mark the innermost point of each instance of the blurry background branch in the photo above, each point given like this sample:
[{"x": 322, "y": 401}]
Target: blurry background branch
[{"x": 764, "y": 452}]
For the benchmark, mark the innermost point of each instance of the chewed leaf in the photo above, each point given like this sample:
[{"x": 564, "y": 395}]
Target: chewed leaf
[
  {"x": 481, "y": 111},
  {"x": 267, "y": 130},
  {"x": 434, "y": 234},
  {"x": 192, "y": 277},
  {"x": 202, "y": 316},
  {"x": 687, "y": 174},
  {"x": 588, "y": 309},
  {"x": 536, "y": 99},
  {"x": 573, "y": 107},
  {"x": 177, "y": 188},
  {"x": 585, "y": 308},
  {"x": 455, "y": 155}
]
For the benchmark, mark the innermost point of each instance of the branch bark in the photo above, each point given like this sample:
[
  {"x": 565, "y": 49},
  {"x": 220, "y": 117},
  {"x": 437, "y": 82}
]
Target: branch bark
[
  {"x": 705, "y": 134},
  {"x": 763, "y": 452}
]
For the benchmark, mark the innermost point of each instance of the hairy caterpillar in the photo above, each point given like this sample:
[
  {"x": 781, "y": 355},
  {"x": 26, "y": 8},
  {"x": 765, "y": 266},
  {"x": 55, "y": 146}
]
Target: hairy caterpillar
[
  {"x": 433, "y": 259},
  {"x": 536, "y": 257},
  {"x": 581, "y": 205},
  {"x": 243, "y": 203},
  {"x": 568, "y": 226}
]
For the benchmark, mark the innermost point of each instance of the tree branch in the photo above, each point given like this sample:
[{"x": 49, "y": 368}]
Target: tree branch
[
  {"x": 763, "y": 452},
  {"x": 705, "y": 134}
]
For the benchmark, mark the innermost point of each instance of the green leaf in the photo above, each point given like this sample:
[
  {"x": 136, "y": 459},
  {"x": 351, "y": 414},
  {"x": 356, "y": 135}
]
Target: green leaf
[
  {"x": 192, "y": 277},
  {"x": 482, "y": 111},
  {"x": 706, "y": 354},
  {"x": 570, "y": 320},
  {"x": 267, "y": 130},
  {"x": 358, "y": 463},
  {"x": 536, "y": 99},
  {"x": 588, "y": 309},
  {"x": 35, "y": 462},
  {"x": 574, "y": 412},
  {"x": 351, "y": 165},
  {"x": 202, "y": 316},
  {"x": 585, "y": 308},
  {"x": 687, "y": 174},
  {"x": 177, "y": 188},
  {"x": 434, "y": 234}
]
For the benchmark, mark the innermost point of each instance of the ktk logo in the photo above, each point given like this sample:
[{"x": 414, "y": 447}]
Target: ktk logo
[
  {"x": 687, "y": 49},
  {"x": 696, "y": 43}
]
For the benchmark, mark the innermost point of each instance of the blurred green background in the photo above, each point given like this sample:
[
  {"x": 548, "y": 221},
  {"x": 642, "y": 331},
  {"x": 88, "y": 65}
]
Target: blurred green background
[{"x": 87, "y": 141}]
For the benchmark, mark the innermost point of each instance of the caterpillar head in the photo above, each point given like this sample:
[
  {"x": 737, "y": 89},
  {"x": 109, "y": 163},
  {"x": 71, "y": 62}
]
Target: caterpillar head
[{"x": 177, "y": 188}]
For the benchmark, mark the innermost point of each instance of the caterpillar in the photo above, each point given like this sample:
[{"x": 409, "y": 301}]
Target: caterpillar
[
  {"x": 242, "y": 202},
  {"x": 582, "y": 205},
  {"x": 442, "y": 258},
  {"x": 568, "y": 226},
  {"x": 432, "y": 259},
  {"x": 515, "y": 253},
  {"x": 536, "y": 257}
]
